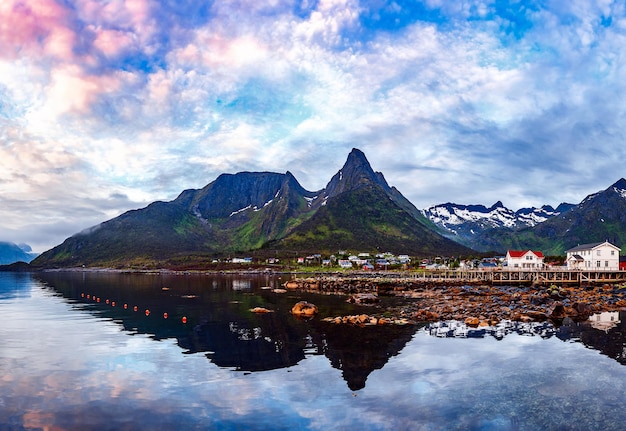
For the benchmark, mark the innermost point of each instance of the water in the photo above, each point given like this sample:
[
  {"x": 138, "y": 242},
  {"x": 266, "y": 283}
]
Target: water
[{"x": 70, "y": 362}]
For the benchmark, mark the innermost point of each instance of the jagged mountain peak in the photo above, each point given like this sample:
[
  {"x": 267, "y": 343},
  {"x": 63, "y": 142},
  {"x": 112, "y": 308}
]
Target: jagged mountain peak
[
  {"x": 355, "y": 173},
  {"x": 620, "y": 187},
  {"x": 620, "y": 184}
]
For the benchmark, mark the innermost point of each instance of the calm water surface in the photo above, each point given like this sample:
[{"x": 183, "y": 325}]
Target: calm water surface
[{"x": 74, "y": 354}]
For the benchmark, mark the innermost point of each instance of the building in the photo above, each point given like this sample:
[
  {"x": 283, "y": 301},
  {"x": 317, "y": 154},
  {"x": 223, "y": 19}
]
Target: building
[
  {"x": 345, "y": 263},
  {"x": 594, "y": 256},
  {"x": 524, "y": 259}
]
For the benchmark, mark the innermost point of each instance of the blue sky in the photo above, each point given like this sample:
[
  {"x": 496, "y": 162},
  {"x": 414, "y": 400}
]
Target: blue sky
[{"x": 106, "y": 106}]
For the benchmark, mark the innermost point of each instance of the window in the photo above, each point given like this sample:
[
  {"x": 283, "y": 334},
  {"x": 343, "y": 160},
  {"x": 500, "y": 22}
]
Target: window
[
  {"x": 598, "y": 252},
  {"x": 598, "y": 263},
  {"x": 612, "y": 252},
  {"x": 606, "y": 263}
]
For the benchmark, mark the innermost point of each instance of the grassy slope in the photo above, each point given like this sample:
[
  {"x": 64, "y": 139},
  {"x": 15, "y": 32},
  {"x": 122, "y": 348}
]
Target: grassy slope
[{"x": 366, "y": 219}]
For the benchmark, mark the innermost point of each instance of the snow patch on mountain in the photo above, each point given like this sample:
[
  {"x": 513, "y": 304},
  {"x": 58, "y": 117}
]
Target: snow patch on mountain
[
  {"x": 469, "y": 220},
  {"x": 620, "y": 192}
]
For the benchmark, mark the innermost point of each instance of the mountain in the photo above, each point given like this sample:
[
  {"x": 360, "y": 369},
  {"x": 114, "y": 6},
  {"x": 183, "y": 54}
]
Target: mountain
[
  {"x": 600, "y": 216},
  {"x": 359, "y": 210},
  {"x": 473, "y": 225},
  {"x": 261, "y": 211},
  {"x": 11, "y": 253}
]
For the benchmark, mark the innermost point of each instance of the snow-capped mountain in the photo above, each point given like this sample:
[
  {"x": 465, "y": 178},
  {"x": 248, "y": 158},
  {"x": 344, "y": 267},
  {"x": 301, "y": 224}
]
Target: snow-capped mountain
[{"x": 465, "y": 222}]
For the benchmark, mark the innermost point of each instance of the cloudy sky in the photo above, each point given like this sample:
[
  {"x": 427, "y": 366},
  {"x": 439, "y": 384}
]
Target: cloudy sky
[{"x": 108, "y": 105}]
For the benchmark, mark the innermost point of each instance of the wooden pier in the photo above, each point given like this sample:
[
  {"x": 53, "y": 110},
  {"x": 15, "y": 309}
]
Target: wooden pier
[{"x": 525, "y": 276}]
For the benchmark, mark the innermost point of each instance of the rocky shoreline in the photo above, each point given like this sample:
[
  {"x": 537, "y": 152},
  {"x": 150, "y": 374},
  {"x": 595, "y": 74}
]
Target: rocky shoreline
[{"x": 476, "y": 305}]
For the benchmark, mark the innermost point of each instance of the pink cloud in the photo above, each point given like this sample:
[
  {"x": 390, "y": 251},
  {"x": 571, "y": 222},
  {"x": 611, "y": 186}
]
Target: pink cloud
[
  {"x": 112, "y": 42},
  {"x": 128, "y": 15},
  {"x": 33, "y": 27}
]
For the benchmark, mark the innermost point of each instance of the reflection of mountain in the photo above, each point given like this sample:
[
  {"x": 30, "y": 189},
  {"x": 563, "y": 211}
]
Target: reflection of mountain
[
  {"x": 456, "y": 329},
  {"x": 358, "y": 351},
  {"x": 605, "y": 332},
  {"x": 14, "y": 285},
  {"x": 219, "y": 321},
  {"x": 270, "y": 345}
]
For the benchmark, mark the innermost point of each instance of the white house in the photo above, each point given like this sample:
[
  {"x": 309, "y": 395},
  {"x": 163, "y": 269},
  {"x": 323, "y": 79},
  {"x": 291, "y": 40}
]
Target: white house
[
  {"x": 524, "y": 259},
  {"x": 598, "y": 255}
]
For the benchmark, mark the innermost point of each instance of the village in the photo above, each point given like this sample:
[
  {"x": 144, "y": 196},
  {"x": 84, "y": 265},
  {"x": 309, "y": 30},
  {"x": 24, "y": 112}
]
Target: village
[
  {"x": 587, "y": 283},
  {"x": 599, "y": 256}
]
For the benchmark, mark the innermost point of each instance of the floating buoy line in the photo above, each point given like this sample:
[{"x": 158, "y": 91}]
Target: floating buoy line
[{"x": 147, "y": 312}]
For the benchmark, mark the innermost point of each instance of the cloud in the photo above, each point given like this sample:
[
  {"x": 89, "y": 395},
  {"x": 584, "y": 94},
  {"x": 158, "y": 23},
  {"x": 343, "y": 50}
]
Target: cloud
[{"x": 470, "y": 102}]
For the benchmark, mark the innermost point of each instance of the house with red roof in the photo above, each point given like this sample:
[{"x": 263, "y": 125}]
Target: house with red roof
[{"x": 524, "y": 259}]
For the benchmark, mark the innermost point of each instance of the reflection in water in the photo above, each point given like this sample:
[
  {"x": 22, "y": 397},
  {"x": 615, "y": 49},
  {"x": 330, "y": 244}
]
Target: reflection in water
[
  {"x": 68, "y": 361},
  {"x": 456, "y": 329},
  {"x": 605, "y": 332},
  {"x": 17, "y": 285},
  {"x": 218, "y": 321}
]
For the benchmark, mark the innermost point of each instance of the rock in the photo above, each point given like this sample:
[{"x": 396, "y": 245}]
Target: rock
[
  {"x": 538, "y": 316},
  {"x": 558, "y": 311},
  {"x": 260, "y": 310},
  {"x": 291, "y": 284},
  {"x": 583, "y": 310},
  {"x": 364, "y": 298},
  {"x": 363, "y": 318},
  {"x": 304, "y": 308},
  {"x": 472, "y": 321},
  {"x": 279, "y": 291}
]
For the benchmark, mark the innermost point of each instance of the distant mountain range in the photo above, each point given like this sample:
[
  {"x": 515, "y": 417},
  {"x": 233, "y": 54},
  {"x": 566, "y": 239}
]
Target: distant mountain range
[
  {"x": 600, "y": 216},
  {"x": 263, "y": 212},
  {"x": 11, "y": 253},
  {"x": 473, "y": 225}
]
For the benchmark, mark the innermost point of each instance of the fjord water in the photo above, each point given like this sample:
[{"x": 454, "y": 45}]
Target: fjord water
[{"x": 75, "y": 354}]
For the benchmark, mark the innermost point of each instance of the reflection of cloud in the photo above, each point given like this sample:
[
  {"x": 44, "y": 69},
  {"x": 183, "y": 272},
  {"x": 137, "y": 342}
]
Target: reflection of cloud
[{"x": 71, "y": 368}]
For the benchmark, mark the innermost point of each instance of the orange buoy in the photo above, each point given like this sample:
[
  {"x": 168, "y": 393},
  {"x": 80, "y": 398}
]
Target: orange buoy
[
  {"x": 165, "y": 315},
  {"x": 184, "y": 319},
  {"x": 88, "y": 296},
  {"x": 113, "y": 304},
  {"x": 97, "y": 299},
  {"x": 135, "y": 308},
  {"x": 147, "y": 312},
  {"x": 125, "y": 306},
  {"x": 82, "y": 295},
  {"x": 107, "y": 301}
]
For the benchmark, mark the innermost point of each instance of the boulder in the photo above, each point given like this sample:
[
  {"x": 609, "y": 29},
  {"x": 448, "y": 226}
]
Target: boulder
[
  {"x": 472, "y": 321},
  {"x": 304, "y": 308},
  {"x": 260, "y": 310},
  {"x": 558, "y": 311}
]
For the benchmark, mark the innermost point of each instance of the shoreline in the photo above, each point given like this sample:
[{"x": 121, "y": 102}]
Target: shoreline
[{"x": 475, "y": 303}]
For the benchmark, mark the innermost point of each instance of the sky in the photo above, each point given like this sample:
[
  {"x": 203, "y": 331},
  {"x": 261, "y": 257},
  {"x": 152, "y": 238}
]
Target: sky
[{"x": 106, "y": 106}]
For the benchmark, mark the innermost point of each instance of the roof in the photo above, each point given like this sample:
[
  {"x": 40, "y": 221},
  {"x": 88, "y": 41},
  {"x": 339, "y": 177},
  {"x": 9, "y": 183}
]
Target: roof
[
  {"x": 589, "y": 246},
  {"x": 577, "y": 258},
  {"x": 521, "y": 253}
]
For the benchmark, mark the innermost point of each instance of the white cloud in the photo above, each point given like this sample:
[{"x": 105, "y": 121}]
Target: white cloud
[{"x": 453, "y": 110}]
